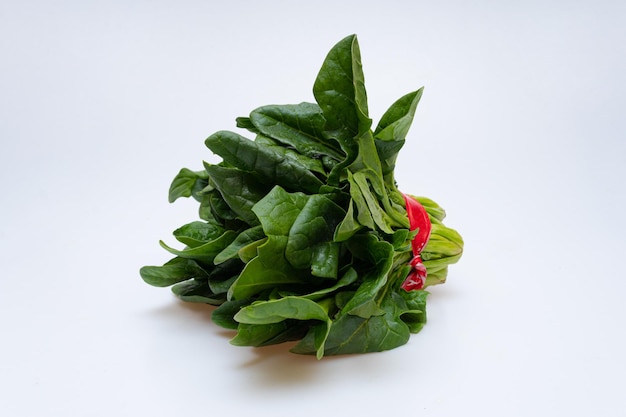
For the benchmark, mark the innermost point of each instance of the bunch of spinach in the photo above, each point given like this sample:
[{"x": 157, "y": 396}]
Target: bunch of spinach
[{"x": 303, "y": 234}]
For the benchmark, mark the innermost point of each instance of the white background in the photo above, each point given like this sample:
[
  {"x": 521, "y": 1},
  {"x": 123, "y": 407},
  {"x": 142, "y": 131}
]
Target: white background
[{"x": 520, "y": 135}]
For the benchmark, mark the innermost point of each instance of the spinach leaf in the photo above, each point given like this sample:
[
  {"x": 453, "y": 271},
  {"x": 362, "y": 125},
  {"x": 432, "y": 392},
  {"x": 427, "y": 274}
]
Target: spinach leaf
[
  {"x": 353, "y": 334},
  {"x": 204, "y": 253},
  {"x": 266, "y": 163},
  {"x": 269, "y": 334},
  {"x": 379, "y": 254},
  {"x": 224, "y": 314},
  {"x": 239, "y": 190},
  {"x": 242, "y": 240},
  {"x": 197, "y": 233},
  {"x": 187, "y": 183},
  {"x": 310, "y": 236},
  {"x": 198, "y": 292},
  {"x": 175, "y": 270},
  {"x": 348, "y": 278},
  {"x": 339, "y": 89},
  {"x": 277, "y": 212},
  {"x": 392, "y": 130},
  {"x": 314, "y": 165},
  {"x": 299, "y": 126},
  {"x": 298, "y": 308}
]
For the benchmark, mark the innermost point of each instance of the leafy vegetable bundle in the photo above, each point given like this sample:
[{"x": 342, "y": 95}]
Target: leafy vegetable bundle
[{"x": 303, "y": 234}]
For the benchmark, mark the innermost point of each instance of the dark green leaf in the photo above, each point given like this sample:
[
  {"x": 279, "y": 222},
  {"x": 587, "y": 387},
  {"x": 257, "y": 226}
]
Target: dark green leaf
[
  {"x": 312, "y": 231},
  {"x": 312, "y": 164},
  {"x": 174, "y": 271},
  {"x": 187, "y": 183},
  {"x": 274, "y": 311},
  {"x": 269, "y": 334},
  {"x": 240, "y": 190},
  {"x": 297, "y": 308},
  {"x": 277, "y": 212},
  {"x": 205, "y": 253},
  {"x": 223, "y": 315},
  {"x": 379, "y": 254},
  {"x": 222, "y": 287},
  {"x": 220, "y": 208},
  {"x": 325, "y": 259},
  {"x": 269, "y": 166},
  {"x": 415, "y": 314},
  {"x": 269, "y": 269},
  {"x": 242, "y": 240},
  {"x": 300, "y": 126},
  {"x": 348, "y": 226},
  {"x": 395, "y": 123},
  {"x": 348, "y": 278},
  {"x": 354, "y": 334},
  {"x": 392, "y": 130},
  {"x": 339, "y": 90},
  {"x": 197, "y": 233},
  {"x": 246, "y": 123},
  {"x": 197, "y": 292}
]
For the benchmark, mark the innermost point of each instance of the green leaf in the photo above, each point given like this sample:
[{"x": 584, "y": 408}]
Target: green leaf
[
  {"x": 220, "y": 208},
  {"x": 274, "y": 311},
  {"x": 222, "y": 287},
  {"x": 325, "y": 259},
  {"x": 239, "y": 190},
  {"x": 415, "y": 313},
  {"x": 368, "y": 176},
  {"x": 445, "y": 247},
  {"x": 269, "y": 166},
  {"x": 269, "y": 334},
  {"x": 187, "y": 183},
  {"x": 251, "y": 250},
  {"x": 363, "y": 214},
  {"x": 353, "y": 334},
  {"x": 401, "y": 240},
  {"x": 435, "y": 276},
  {"x": 379, "y": 254},
  {"x": 205, "y": 212},
  {"x": 339, "y": 89},
  {"x": 369, "y": 204},
  {"x": 197, "y": 233},
  {"x": 224, "y": 271},
  {"x": 349, "y": 225},
  {"x": 204, "y": 253},
  {"x": 300, "y": 126},
  {"x": 391, "y": 132},
  {"x": 223, "y": 315},
  {"x": 242, "y": 240},
  {"x": 277, "y": 212},
  {"x": 297, "y": 308},
  {"x": 197, "y": 292},
  {"x": 311, "y": 232},
  {"x": 279, "y": 209},
  {"x": 313, "y": 165},
  {"x": 443, "y": 242},
  {"x": 269, "y": 269},
  {"x": 348, "y": 278},
  {"x": 434, "y": 210},
  {"x": 246, "y": 123},
  {"x": 395, "y": 123},
  {"x": 172, "y": 272}
]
